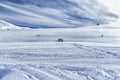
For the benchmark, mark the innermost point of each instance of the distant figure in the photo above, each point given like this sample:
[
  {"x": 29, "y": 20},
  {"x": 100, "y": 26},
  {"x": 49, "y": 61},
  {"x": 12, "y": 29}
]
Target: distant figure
[
  {"x": 101, "y": 35},
  {"x": 38, "y": 35},
  {"x": 98, "y": 24},
  {"x": 8, "y": 29}
]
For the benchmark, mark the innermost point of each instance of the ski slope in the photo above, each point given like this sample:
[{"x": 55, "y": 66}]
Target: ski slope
[
  {"x": 87, "y": 53},
  {"x": 35, "y": 54},
  {"x": 59, "y": 61},
  {"x": 92, "y": 34}
]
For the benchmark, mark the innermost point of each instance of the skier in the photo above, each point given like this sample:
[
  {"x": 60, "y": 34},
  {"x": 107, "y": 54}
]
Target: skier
[{"x": 101, "y": 35}]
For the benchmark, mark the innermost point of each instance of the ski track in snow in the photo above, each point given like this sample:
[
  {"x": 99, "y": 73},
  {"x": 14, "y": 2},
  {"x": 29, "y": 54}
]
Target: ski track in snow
[{"x": 57, "y": 61}]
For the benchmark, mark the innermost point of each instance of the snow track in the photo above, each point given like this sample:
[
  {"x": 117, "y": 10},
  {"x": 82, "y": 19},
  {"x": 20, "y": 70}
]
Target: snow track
[
  {"x": 60, "y": 72},
  {"x": 57, "y": 61}
]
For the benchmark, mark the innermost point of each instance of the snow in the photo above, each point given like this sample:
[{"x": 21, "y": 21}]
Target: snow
[
  {"x": 88, "y": 34},
  {"x": 86, "y": 53},
  {"x": 6, "y": 25},
  {"x": 58, "y": 61},
  {"x": 34, "y": 54}
]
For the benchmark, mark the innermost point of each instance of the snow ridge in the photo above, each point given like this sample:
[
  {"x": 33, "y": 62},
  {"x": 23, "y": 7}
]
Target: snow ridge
[{"x": 6, "y": 25}]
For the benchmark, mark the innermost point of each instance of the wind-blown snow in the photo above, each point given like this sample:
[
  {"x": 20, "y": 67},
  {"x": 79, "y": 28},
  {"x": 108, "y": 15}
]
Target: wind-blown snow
[
  {"x": 58, "y": 61},
  {"x": 24, "y": 54},
  {"x": 86, "y": 53},
  {"x": 54, "y": 13}
]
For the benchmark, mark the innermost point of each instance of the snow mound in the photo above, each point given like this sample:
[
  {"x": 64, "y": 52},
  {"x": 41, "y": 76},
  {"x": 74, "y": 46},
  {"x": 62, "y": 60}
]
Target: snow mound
[{"x": 5, "y": 25}]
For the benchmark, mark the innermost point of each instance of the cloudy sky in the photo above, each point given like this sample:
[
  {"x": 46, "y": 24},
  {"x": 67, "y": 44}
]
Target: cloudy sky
[
  {"x": 56, "y": 13},
  {"x": 113, "y": 5}
]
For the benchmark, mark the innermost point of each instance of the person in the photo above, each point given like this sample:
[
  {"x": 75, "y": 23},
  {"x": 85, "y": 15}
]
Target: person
[{"x": 101, "y": 35}]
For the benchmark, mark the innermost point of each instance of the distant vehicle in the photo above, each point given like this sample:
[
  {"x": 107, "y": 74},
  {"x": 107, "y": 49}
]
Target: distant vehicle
[{"x": 60, "y": 40}]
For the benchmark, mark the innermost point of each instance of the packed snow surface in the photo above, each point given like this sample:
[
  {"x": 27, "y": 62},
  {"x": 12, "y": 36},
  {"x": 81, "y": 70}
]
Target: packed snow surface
[
  {"x": 35, "y": 54},
  {"x": 86, "y": 53},
  {"x": 105, "y": 34},
  {"x": 59, "y": 61}
]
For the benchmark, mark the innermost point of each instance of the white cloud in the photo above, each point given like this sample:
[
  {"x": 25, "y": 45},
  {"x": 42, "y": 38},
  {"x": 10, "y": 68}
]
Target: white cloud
[
  {"x": 81, "y": 12},
  {"x": 34, "y": 18},
  {"x": 113, "y": 5}
]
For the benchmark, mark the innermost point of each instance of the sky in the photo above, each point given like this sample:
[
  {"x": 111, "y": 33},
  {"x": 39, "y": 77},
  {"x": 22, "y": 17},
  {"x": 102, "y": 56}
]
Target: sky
[
  {"x": 113, "y": 5},
  {"x": 55, "y": 13}
]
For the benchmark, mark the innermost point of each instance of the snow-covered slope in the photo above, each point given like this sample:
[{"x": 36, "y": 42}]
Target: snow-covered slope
[
  {"x": 58, "y": 61},
  {"x": 83, "y": 34},
  {"x": 54, "y": 13},
  {"x": 5, "y": 25}
]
